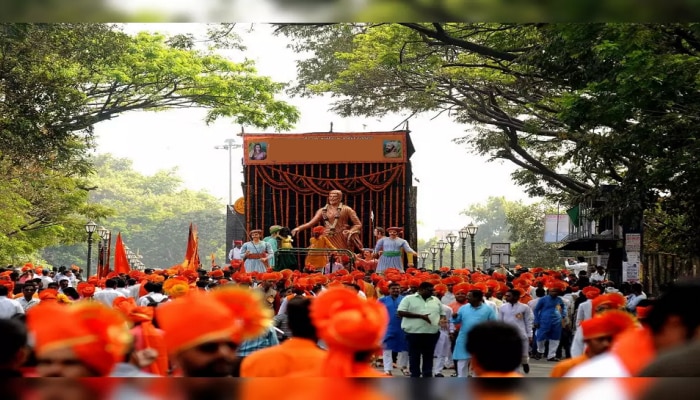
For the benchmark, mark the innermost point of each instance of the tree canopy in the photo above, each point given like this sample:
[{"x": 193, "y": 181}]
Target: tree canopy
[
  {"x": 152, "y": 213},
  {"x": 575, "y": 106},
  {"x": 522, "y": 225},
  {"x": 58, "y": 80}
]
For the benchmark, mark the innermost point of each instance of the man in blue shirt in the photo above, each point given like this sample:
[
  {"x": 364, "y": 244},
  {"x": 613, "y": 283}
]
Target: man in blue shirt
[{"x": 395, "y": 338}]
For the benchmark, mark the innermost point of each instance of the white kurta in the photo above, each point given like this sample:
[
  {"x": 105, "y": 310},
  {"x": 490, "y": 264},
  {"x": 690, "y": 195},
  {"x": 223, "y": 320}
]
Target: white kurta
[
  {"x": 518, "y": 315},
  {"x": 606, "y": 365},
  {"x": 585, "y": 311}
]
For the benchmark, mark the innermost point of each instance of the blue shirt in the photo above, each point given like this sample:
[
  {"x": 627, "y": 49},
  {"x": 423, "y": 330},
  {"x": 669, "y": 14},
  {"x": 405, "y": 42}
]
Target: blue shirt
[{"x": 263, "y": 341}]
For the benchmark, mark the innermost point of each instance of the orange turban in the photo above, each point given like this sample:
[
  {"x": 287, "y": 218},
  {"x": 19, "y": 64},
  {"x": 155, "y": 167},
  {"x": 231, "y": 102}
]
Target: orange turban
[
  {"x": 271, "y": 276},
  {"x": 250, "y": 317},
  {"x": 85, "y": 289},
  {"x": 643, "y": 312},
  {"x": 9, "y": 285},
  {"x": 440, "y": 289},
  {"x": 609, "y": 300},
  {"x": 192, "y": 320},
  {"x": 176, "y": 287},
  {"x": 347, "y": 324},
  {"x": 47, "y": 295},
  {"x": 217, "y": 274},
  {"x": 461, "y": 288},
  {"x": 480, "y": 286},
  {"x": 591, "y": 292},
  {"x": 98, "y": 335},
  {"x": 140, "y": 314},
  {"x": 124, "y": 305},
  {"x": 609, "y": 323},
  {"x": 318, "y": 229}
]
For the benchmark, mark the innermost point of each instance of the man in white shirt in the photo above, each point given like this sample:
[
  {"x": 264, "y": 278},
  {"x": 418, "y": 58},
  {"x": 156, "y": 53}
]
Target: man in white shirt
[
  {"x": 520, "y": 316},
  {"x": 154, "y": 295},
  {"x": 45, "y": 278},
  {"x": 598, "y": 275},
  {"x": 121, "y": 287},
  {"x": 235, "y": 253},
  {"x": 8, "y": 307},
  {"x": 635, "y": 297},
  {"x": 108, "y": 295},
  {"x": 576, "y": 267},
  {"x": 448, "y": 298},
  {"x": 28, "y": 300}
]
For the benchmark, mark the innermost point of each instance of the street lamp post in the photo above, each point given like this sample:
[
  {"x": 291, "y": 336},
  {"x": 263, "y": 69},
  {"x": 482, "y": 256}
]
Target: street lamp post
[
  {"x": 451, "y": 238},
  {"x": 434, "y": 251},
  {"x": 441, "y": 246},
  {"x": 102, "y": 249},
  {"x": 463, "y": 237},
  {"x": 230, "y": 145},
  {"x": 471, "y": 230},
  {"x": 90, "y": 229},
  {"x": 423, "y": 255}
]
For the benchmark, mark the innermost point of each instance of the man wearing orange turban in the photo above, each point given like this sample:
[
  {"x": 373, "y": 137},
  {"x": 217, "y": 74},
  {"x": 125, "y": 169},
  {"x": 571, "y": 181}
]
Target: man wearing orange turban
[
  {"x": 598, "y": 335},
  {"x": 599, "y": 303},
  {"x": 549, "y": 313},
  {"x": 299, "y": 354},
  {"x": 85, "y": 339},
  {"x": 204, "y": 330},
  {"x": 352, "y": 328}
]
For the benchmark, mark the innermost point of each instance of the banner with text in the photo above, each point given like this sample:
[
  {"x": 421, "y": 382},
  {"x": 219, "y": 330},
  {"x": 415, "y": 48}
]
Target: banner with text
[{"x": 320, "y": 148}]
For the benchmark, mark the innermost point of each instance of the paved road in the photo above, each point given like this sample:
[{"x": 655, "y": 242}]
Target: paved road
[{"x": 538, "y": 369}]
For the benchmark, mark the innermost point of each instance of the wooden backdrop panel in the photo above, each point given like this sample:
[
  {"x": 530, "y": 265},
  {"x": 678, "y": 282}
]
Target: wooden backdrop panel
[{"x": 290, "y": 195}]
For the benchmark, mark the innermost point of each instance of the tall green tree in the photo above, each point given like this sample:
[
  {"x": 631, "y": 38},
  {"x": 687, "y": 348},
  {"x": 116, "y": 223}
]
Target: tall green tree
[
  {"x": 575, "y": 106},
  {"x": 521, "y": 225},
  {"x": 58, "y": 80},
  {"x": 152, "y": 213}
]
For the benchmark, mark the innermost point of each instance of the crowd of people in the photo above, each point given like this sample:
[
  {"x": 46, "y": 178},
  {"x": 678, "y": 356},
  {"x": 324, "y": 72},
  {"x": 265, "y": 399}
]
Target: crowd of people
[{"x": 360, "y": 323}]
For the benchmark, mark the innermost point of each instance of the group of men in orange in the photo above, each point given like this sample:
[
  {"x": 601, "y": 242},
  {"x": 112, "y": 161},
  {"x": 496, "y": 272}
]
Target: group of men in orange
[{"x": 197, "y": 331}]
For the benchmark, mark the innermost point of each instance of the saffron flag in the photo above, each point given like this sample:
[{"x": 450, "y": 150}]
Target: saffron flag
[
  {"x": 121, "y": 263},
  {"x": 192, "y": 254}
]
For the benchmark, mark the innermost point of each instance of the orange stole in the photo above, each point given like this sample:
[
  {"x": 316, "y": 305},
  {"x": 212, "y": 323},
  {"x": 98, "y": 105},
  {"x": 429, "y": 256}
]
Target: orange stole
[
  {"x": 635, "y": 349},
  {"x": 149, "y": 337},
  {"x": 295, "y": 355}
]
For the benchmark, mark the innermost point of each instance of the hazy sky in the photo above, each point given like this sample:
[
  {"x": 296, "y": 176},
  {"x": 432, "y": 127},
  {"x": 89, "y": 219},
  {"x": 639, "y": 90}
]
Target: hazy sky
[{"x": 450, "y": 177}]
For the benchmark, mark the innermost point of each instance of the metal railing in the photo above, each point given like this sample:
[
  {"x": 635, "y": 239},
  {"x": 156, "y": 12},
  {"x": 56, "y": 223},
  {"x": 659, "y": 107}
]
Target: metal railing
[{"x": 299, "y": 254}]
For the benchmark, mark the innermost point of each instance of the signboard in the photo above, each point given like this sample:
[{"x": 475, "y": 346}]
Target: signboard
[
  {"x": 630, "y": 268},
  {"x": 633, "y": 242},
  {"x": 498, "y": 259},
  {"x": 500, "y": 248},
  {"x": 324, "y": 148},
  {"x": 556, "y": 227}
]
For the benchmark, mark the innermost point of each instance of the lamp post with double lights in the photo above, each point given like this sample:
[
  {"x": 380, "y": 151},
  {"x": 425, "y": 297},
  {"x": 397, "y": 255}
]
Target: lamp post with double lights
[
  {"x": 441, "y": 246},
  {"x": 451, "y": 239},
  {"x": 103, "y": 258},
  {"x": 463, "y": 237},
  {"x": 230, "y": 145},
  {"x": 424, "y": 255},
  {"x": 433, "y": 251},
  {"x": 90, "y": 228},
  {"x": 471, "y": 230}
]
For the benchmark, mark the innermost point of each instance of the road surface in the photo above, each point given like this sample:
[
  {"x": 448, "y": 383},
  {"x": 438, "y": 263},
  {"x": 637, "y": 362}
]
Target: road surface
[{"x": 538, "y": 369}]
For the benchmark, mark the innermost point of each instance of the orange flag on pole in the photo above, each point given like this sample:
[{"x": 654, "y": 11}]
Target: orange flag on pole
[
  {"x": 192, "y": 253},
  {"x": 121, "y": 263}
]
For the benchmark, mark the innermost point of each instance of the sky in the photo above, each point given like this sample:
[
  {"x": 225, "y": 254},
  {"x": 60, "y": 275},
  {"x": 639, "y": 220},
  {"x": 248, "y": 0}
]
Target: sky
[{"x": 449, "y": 178}]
